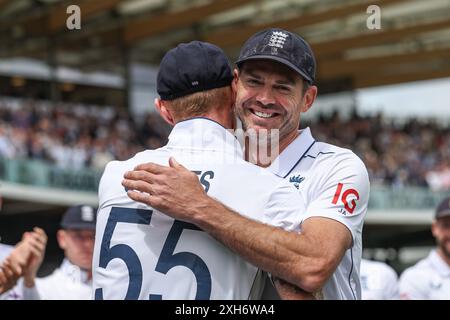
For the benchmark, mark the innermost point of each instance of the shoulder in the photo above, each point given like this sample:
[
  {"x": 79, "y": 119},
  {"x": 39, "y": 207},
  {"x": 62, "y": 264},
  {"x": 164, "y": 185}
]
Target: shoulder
[
  {"x": 115, "y": 169},
  {"x": 48, "y": 282},
  {"x": 335, "y": 166},
  {"x": 335, "y": 156},
  {"x": 126, "y": 164},
  {"x": 420, "y": 270},
  {"x": 111, "y": 181},
  {"x": 113, "y": 173}
]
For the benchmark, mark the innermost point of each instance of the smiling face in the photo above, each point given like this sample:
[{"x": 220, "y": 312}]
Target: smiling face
[{"x": 270, "y": 95}]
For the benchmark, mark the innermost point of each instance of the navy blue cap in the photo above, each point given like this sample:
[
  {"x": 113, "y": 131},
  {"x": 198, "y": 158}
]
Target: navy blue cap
[
  {"x": 79, "y": 217},
  {"x": 192, "y": 67},
  {"x": 443, "y": 209},
  {"x": 283, "y": 46}
]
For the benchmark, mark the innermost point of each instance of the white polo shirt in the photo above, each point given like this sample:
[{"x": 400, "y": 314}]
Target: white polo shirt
[
  {"x": 333, "y": 183},
  {"x": 429, "y": 279},
  {"x": 68, "y": 282},
  {"x": 378, "y": 281},
  {"x": 141, "y": 253}
]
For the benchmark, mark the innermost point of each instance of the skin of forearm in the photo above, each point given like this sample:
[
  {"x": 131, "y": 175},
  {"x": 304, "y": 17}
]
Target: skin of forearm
[
  {"x": 288, "y": 291},
  {"x": 286, "y": 255}
]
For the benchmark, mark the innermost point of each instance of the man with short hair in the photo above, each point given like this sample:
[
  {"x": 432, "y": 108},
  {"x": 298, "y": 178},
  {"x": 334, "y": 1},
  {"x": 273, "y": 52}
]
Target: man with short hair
[
  {"x": 140, "y": 253},
  {"x": 274, "y": 84},
  {"x": 429, "y": 279},
  {"x": 73, "y": 279}
]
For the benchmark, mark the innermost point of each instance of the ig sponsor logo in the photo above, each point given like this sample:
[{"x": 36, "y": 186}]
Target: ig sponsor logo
[{"x": 349, "y": 197}]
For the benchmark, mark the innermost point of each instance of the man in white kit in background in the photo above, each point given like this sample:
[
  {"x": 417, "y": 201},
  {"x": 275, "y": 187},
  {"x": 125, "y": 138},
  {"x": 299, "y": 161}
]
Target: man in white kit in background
[
  {"x": 429, "y": 279},
  {"x": 72, "y": 280}
]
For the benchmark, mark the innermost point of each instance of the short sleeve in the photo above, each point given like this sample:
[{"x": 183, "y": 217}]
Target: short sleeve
[{"x": 341, "y": 193}]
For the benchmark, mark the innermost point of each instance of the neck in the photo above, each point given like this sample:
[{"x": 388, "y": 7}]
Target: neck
[
  {"x": 285, "y": 141},
  {"x": 223, "y": 118}
]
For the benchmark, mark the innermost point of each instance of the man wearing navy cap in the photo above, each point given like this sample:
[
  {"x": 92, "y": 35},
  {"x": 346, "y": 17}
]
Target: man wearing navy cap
[
  {"x": 274, "y": 85},
  {"x": 429, "y": 279},
  {"x": 73, "y": 279},
  {"x": 140, "y": 253}
]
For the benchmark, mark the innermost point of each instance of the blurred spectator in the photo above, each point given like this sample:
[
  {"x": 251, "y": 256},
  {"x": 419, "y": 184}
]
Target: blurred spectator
[
  {"x": 429, "y": 279},
  {"x": 439, "y": 178},
  {"x": 395, "y": 155},
  {"x": 72, "y": 135},
  {"x": 73, "y": 279},
  {"x": 378, "y": 281}
]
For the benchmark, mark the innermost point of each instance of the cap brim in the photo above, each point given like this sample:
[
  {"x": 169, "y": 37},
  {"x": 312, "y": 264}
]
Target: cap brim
[{"x": 278, "y": 59}]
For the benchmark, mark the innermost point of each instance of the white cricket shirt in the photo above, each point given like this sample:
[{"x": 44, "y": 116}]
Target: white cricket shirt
[
  {"x": 333, "y": 183},
  {"x": 68, "y": 282},
  {"x": 429, "y": 279},
  {"x": 141, "y": 253}
]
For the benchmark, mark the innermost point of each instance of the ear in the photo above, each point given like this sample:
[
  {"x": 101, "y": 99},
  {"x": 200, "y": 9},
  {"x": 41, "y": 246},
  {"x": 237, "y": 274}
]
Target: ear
[
  {"x": 233, "y": 95},
  {"x": 165, "y": 113},
  {"x": 309, "y": 98},
  {"x": 235, "y": 82},
  {"x": 434, "y": 228},
  {"x": 61, "y": 237}
]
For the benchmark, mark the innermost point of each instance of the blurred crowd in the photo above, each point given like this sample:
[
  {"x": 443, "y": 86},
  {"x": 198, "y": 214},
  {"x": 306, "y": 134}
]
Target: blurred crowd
[
  {"x": 74, "y": 136},
  {"x": 397, "y": 154},
  {"x": 411, "y": 153}
]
